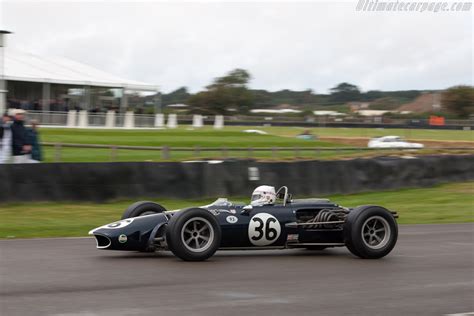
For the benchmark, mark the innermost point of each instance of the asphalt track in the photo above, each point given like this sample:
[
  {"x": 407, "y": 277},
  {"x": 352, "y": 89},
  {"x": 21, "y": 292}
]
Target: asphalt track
[{"x": 430, "y": 272}]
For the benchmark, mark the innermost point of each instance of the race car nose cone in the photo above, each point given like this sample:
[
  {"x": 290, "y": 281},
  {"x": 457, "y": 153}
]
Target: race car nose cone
[{"x": 102, "y": 241}]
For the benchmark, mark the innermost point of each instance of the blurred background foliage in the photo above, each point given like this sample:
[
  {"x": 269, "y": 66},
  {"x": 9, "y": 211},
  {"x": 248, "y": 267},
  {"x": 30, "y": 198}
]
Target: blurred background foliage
[{"x": 230, "y": 94}]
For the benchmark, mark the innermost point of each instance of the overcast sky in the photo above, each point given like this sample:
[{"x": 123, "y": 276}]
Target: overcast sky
[{"x": 295, "y": 46}]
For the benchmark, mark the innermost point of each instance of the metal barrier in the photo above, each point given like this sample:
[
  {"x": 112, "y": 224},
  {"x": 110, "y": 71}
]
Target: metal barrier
[
  {"x": 250, "y": 152},
  {"x": 49, "y": 118},
  {"x": 152, "y": 180}
]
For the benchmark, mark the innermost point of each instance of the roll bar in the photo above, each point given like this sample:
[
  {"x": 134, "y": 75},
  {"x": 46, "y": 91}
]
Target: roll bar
[{"x": 282, "y": 194}]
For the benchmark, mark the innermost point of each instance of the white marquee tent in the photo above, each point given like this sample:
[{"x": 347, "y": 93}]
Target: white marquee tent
[
  {"x": 22, "y": 66},
  {"x": 18, "y": 66}
]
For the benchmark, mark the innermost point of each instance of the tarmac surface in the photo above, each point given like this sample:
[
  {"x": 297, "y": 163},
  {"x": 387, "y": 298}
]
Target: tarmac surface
[{"x": 430, "y": 272}]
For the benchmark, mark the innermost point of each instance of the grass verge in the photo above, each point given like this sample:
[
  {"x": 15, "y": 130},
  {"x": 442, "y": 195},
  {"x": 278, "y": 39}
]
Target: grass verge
[{"x": 449, "y": 203}]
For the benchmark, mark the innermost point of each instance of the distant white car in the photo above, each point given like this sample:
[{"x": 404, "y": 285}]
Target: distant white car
[
  {"x": 255, "y": 131},
  {"x": 392, "y": 142}
]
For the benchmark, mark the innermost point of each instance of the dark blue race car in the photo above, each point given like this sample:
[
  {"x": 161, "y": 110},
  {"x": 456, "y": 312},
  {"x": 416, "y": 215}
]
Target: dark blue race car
[{"x": 196, "y": 233}]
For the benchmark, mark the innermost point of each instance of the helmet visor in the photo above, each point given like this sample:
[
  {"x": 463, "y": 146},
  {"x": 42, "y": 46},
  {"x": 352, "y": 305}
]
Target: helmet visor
[{"x": 256, "y": 197}]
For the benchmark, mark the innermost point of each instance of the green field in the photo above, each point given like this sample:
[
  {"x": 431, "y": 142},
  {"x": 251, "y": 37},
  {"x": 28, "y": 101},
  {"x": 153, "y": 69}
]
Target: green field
[
  {"x": 410, "y": 134},
  {"x": 181, "y": 137},
  {"x": 105, "y": 155},
  {"x": 230, "y": 137},
  {"x": 449, "y": 203}
]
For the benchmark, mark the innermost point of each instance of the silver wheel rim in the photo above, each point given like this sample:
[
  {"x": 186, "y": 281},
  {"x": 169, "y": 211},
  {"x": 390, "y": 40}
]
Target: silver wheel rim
[
  {"x": 376, "y": 232},
  {"x": 197, "y": 234}
]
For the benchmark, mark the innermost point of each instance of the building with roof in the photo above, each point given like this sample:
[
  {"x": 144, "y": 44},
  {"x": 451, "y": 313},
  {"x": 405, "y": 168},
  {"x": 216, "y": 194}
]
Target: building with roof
[
  {"x": 372, "y": 112},
  {"x": 328, "y": 113},
  {"x": 50, "y": 83}
]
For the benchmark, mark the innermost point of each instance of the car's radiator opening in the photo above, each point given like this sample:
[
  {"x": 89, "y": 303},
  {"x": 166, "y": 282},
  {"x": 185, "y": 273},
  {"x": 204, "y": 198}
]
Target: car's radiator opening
[{"x": 102, "y": 241}]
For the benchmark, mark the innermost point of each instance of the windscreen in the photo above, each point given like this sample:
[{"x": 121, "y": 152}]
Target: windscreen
[{"x": 222, "y": 202}]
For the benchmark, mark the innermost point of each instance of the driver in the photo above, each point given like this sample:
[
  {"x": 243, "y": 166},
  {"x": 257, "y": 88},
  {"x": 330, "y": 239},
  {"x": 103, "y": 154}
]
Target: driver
[{"x": 263, "y": 195}]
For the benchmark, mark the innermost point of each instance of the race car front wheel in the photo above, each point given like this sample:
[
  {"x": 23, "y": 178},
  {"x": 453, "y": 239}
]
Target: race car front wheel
[
  {"x": 193, "y": 234},
  {"x": 142, "y": 208},
  {"x": 370, "y": 232}
]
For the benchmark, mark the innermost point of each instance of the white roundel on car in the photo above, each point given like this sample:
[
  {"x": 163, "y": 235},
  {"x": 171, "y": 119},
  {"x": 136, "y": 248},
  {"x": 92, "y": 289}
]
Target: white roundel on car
[
  {"x": 264, "y": 229},
  {"x": 231, "y": 219},
  {"x": 115, "y": 225}
]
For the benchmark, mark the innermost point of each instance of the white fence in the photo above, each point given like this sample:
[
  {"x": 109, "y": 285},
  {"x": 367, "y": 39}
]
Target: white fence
[
  {"x": 112, "y": 119},
  {"x": 128, "y": 120}
]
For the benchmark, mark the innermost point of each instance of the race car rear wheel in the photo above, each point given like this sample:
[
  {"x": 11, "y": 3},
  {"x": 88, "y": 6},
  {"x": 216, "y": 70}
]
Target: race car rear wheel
[
  {"x": 193, "y": 234},
  {"x": 143, "y": 208},
  {"x": 370, "y": 232}
]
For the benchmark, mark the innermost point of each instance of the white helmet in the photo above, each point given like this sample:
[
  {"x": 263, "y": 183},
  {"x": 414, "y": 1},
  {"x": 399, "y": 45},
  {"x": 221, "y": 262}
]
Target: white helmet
[{"x": 263, "y": 195}]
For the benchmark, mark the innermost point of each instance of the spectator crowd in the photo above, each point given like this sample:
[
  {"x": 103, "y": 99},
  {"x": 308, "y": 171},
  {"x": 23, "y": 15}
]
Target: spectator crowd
[
  {"x": 39, "y": 105},
  {"x": 19, "y": 143},
  {"x": 64, "y": 105}
]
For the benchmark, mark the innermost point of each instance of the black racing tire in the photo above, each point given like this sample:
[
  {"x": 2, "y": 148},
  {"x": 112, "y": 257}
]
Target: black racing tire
[
  {"x": 370, "y": 232},
  {"x": 142, "y": 208},
  {"x": 187, "y": 241},
  {"x": 316, "y": 247}
]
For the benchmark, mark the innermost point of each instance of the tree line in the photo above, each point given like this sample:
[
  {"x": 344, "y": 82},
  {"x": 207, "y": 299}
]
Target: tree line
[{"x": 230, "y": 93}]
